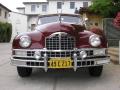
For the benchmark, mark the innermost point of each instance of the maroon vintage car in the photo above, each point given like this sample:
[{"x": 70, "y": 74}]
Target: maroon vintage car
[{"x": 60, "y": 41}]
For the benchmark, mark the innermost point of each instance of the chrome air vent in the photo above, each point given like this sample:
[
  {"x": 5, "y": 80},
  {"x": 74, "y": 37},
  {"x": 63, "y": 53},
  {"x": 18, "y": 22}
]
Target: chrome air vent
[{"x": 60, "y": 41}]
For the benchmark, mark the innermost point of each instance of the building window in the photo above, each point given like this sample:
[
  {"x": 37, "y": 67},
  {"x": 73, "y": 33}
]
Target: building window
[
  {"x": 32, "y": 8},
  {"x": 33, "y": 27},
  {"x": 59, "y": 5},
  {"x": 72, "y": 5},
  {"x": 44, "y": 8},
  {"x": 85, "y": 4},
  {"x": 0, "y": 12},
  {"x": 5, "y": 15}
]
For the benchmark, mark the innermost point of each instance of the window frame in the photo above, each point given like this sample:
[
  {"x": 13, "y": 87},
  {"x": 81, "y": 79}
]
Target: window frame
[
  {"x": 72, "y": 3},
  {"x": 33, "y": 8},
  {"x": 5, "y": 16},
  {"x": 59, "y": 3},
  {"x": 85, "y": 4},
  {"x": 0, "y": 12},
  {"x": 44, "y": 9},
  {"x": 33, "y": 27}
]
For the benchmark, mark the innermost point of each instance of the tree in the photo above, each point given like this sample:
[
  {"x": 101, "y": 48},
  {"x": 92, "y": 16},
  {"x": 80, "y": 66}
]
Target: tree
[{"x": 106, "y": 8}]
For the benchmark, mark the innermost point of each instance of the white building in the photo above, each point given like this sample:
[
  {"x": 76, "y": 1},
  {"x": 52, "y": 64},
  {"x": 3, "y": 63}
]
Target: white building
[
  {"x": 4, "y": 13},
  {"x": 35, "y": 8},
  {"x": 67, "y": 6},
  {"x": 21, "y": 10},
  {"x": 19, "y": 23}
]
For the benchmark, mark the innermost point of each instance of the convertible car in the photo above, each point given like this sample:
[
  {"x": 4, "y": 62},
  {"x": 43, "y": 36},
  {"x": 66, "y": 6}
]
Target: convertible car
[{"x": 60, "y": 41}]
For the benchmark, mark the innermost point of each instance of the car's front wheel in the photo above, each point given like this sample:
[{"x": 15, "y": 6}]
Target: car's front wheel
[
  {"x": 95, "y": 71},
  {"x": 24, "y": 71}
]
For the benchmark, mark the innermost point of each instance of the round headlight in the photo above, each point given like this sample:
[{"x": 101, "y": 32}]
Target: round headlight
[
  {"x": 95, "y": 40},
  {"x": 25, "y": 41}
]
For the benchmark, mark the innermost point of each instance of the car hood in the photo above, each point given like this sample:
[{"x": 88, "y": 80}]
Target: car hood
[{"x": 48, "y": 29}]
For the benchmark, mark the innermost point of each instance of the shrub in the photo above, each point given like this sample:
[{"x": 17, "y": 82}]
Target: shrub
[
  {"x": 5, "y": 32},
  {"x": 106, "y": 8}
]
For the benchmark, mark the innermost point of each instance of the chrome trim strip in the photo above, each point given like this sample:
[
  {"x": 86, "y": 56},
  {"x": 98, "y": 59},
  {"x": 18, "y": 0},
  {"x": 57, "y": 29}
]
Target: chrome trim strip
[
  {"x": 45, "y": 50},
  {"x": 55, "y": 51},
  {"x": 12, "y": 59},
  {"x": 93, "y": 59},
  {"x": 43, "y": 59},
  {"x": 23, "y": 56}
]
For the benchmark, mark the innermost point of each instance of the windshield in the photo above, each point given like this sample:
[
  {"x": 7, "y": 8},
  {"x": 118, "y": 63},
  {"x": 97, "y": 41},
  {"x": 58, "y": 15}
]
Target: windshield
[{"x": 49, "y": 19}]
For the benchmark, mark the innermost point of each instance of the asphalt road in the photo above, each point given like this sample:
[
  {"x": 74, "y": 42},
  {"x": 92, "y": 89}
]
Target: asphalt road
[{"x": 55, "y": 80}]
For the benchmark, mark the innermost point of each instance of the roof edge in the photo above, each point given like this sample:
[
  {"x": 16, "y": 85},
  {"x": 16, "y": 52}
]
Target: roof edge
[
  {"x": 19, "y": 13},
  {"x": 5, "y": 7},
  {"x": 33, "y": 2},
  {"x": 20, "y": 8}
]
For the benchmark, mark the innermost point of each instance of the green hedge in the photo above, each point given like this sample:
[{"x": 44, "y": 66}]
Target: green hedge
[{"x": 5, "y": 32}]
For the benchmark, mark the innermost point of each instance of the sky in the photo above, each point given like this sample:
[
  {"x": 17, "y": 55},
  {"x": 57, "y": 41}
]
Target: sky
[{"x": 13, "y": 4}]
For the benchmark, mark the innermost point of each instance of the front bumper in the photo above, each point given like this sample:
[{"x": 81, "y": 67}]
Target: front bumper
[{"x": 28, "y": 60}]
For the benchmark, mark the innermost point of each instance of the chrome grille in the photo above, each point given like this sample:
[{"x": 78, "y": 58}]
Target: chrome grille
[
  {"x": 59, "y": 54},
  {"x": 60, "y": 41}
]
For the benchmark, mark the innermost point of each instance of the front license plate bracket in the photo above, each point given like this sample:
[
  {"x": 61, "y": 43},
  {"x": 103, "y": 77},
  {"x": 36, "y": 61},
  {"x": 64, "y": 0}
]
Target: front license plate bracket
[{"x": 60, "y": 63}]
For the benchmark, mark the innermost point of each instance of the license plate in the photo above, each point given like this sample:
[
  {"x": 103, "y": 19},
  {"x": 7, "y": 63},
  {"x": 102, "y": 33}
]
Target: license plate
[{"x": 60, "y": 63}]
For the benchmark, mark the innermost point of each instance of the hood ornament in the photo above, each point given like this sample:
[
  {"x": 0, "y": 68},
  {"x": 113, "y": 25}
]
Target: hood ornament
[{"x": 60, "y": 19}]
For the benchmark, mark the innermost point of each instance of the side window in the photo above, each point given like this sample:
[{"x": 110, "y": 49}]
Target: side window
[
  {"x": 33, "y": 8},
  {"x": 59, "y": 5},
  {"x": 85, "y": 4},
  {"x": 5, "y": 15},
  {"x": 44, "y": 7},
  {"x": 0, "y": 12},
  {"x": 72, "y": 5}
]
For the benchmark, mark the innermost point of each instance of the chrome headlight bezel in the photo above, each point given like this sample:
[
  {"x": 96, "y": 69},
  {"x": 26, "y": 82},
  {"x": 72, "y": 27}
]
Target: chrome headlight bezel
[
  {"x": 25, "y": 41},
  {"x": 94, "y": 40}
]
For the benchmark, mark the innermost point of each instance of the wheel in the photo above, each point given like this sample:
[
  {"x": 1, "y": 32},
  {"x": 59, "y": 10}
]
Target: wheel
[
  {"x": 95, "y": 71},
  {"x": 24, "y": 72}
]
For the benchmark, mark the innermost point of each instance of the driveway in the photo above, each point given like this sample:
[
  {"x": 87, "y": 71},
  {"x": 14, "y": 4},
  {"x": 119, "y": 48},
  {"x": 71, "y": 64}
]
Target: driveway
[{"x": 55, "y": 80}]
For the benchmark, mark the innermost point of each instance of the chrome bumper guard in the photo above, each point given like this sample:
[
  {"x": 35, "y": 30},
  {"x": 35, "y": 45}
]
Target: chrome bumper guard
[{"x": 77, "y": 62}]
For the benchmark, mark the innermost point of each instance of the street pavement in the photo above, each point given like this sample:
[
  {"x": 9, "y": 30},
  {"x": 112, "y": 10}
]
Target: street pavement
[{"x": 53, "y": 79}]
